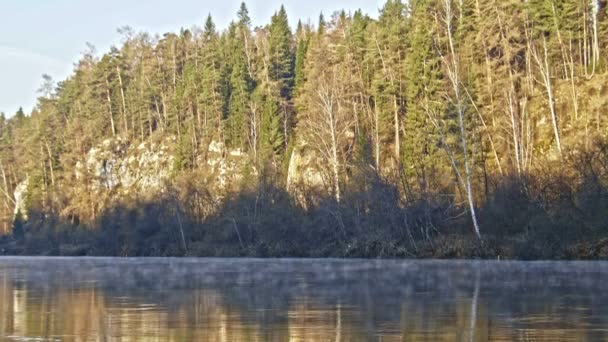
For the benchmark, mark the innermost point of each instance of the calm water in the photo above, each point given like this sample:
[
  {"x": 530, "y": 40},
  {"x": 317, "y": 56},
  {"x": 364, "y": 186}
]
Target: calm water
[{"x": 300, "y": 300}]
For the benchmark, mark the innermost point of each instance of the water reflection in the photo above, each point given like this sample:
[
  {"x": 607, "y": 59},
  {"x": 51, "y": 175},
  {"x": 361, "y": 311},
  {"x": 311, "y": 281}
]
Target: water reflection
[{"x": 300, "y": 300}]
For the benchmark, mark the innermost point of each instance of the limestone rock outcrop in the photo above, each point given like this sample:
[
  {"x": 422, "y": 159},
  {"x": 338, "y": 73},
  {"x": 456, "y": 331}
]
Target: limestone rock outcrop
[
  {"x": 20, "y": 195},
  {"x": 117, "y": 165}
]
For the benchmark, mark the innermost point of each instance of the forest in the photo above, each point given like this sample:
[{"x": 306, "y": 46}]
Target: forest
[{"x": 436, "y": 129}]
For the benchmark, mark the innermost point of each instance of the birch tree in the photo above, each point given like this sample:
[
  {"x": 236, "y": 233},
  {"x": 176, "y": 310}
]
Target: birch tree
[
  {"x": 326, "y": 122},
  {"x": 544, "y": 68},
  {"x": 452, "y": 69}
]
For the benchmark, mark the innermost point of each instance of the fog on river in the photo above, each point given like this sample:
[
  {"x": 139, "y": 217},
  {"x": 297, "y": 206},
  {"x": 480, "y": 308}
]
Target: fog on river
[{"x": 91, "y": 299}]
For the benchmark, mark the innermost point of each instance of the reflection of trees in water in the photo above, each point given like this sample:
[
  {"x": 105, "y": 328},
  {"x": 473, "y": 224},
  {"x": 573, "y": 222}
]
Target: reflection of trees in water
[
  {"x": 299, "y": 300},
  {"x": 474, "y": 307}
]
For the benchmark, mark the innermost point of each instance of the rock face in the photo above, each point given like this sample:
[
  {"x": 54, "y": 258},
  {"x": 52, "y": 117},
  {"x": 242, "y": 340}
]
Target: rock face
[
  {"x": 304, "y": 173},
  {"x": 146, "y": 168},
  {"x": 121, "y": 169},
  {"x": 226, "y": 169},
  {"x": 117, "y": 165},
  {"x": 20, "y": 198}
]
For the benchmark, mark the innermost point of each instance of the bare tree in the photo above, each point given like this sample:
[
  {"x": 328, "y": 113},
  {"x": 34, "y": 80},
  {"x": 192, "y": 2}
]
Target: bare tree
[
  {"x": 328, "y": 124},
  {"x": 545, "y": 71},
  {"x": 451, "y": 63}
]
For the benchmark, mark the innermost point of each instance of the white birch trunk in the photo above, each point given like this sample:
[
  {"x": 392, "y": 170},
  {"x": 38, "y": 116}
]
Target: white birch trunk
[{"x": 454, "y": 76}]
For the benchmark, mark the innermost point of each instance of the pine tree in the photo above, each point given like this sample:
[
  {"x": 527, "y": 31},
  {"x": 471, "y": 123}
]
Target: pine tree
[
  {"x": 281, "y": 53},
  {"x": 243, "y": 16},
  {"x": 303, "y": 42},
  {"x": 239, "y": 88},
  {"x": 424, "y": 84},
  {"x": 20, "y": 115},
  {"x": 272, "y": 131},
  {"x": 321, "y": 25},
  {"x": 210, "y": 96},
  {"x": 239, "y": 79},
  {"x": 281, "y": 64},
  {"x": 388, "y": 42},
  {"x": 356, "y": 61}
]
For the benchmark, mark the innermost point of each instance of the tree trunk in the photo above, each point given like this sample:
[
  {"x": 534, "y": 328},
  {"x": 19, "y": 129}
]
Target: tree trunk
[
  {"x": 596, "y": 41},
  {"x": 124, "y": 104},
  {"x": 454, "y": 76},
  {"x": 335, "y": 161},
  {"x": 546, "y": 75},
  {"x": 110, "y": 108},
  {"x": 549, "y": 89},
  {"x": 514, "y": 130},
  {"x": 377, "y": 136},
  {"x": 397, "y": 136},
  {"x": 50, "y": 155}
]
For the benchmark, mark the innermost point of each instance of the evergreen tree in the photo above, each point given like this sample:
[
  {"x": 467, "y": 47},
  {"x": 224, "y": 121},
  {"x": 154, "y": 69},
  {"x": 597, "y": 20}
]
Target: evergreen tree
[
  {"x": 277, "y": 121},
  {"x": 19, "y": 115},
  {"x": 272, "y": 131},
  {"x": 238, "y": 76},
  {"x": 424, "y": 85},
  {"x": 321, "y": 25},
  {"x": 211, "y": 90},
  {"x": 388, "y": 44},
  {"x": 303, "y": 42},
  {"x": 281, "y": 53},
  {"x": 239, "y": 87},
  {"x": 243, "y": 16}
]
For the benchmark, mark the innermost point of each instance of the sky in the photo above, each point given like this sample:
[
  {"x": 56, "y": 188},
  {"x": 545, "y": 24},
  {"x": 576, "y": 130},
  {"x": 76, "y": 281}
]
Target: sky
[{"x": 48, "y": 36}]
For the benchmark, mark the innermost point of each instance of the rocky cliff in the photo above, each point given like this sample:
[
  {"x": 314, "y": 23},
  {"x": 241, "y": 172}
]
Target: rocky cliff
[
  {"x": 127, "y": 168},
  {"x": 304, "y": 175},
  {"x": 120, "y": 168},
  {"x": 20, "y": 195}
]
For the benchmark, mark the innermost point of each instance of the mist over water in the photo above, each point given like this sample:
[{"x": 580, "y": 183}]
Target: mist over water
[{"x": 89, "y": 299}]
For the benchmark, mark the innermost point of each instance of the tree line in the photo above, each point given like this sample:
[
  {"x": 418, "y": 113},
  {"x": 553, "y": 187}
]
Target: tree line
[{"x": 452, "y": 103}]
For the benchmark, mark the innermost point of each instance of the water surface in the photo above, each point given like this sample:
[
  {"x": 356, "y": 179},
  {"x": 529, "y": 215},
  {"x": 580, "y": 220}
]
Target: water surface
[{"x": 88, "y": 299}]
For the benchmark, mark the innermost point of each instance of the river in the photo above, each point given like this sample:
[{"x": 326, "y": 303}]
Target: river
[{"x": 108, "y": 299}]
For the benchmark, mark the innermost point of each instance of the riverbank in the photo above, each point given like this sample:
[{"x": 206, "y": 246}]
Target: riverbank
[
  {"x": 444, "y": 247},
  {"x": 559, "y": 214}
]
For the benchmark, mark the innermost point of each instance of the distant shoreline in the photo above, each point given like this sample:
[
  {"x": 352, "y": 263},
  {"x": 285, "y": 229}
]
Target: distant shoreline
[{"x": 467, "y": 250}]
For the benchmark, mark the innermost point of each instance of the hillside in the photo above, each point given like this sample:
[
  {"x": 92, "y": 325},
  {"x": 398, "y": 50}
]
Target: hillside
[{"x": 441, "y": 129}]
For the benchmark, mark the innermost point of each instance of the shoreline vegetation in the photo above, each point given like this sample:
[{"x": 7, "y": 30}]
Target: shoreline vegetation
[{"x": 442, "y": 129}]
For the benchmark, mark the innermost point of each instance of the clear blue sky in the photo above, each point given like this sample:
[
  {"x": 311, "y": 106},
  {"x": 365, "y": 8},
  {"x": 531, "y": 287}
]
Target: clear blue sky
[{"x": 48, "y": 36}]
